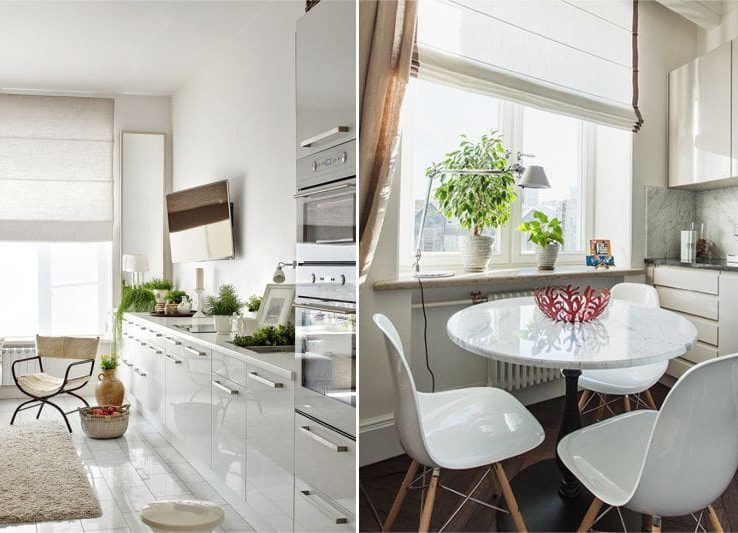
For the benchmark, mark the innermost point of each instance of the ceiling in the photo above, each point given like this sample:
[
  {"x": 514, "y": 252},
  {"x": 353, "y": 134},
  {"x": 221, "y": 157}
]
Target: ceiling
[
  {"x": 705, "y": 13},
  {"x": 126, "y": 47}
]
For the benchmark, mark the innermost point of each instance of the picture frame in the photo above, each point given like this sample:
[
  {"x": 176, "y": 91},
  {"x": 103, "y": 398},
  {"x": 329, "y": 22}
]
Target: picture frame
[{"x": 276, "y": 305}]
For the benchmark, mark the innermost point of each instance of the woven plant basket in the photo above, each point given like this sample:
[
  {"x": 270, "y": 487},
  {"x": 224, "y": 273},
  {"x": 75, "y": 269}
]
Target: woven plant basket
[{"x": 104, "y": 427}]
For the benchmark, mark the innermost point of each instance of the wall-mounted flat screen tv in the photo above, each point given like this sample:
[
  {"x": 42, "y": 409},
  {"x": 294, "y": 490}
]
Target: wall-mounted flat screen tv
[{"x": 200, "y": 224}]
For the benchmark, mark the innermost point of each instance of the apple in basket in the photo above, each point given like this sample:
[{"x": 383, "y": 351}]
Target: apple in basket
[{"x": 105, "y": 411}]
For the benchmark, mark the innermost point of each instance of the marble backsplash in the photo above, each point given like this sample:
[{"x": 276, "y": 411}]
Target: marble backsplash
[{"x": 668, "y": 211}]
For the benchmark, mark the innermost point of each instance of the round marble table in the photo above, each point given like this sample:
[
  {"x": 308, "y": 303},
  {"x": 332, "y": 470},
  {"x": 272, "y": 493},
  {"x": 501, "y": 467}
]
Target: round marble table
[{"x": 516, "y": 331}]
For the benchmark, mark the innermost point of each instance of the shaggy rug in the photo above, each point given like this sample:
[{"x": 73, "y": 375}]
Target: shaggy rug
[{"x": 41, "y": 476}]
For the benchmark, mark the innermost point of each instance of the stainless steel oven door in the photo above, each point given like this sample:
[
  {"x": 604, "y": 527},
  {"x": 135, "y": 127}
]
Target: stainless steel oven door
[
  {"x": 326, "y": 351},
  {"x": 326, "y": 223}
]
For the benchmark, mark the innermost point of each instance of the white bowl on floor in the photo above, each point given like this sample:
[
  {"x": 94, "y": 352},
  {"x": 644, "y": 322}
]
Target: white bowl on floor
[{"x": 182, "y": 515}]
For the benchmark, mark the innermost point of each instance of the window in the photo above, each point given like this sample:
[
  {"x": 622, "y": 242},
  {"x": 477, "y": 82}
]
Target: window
[
  {"x": 435, "y": 117},
  {"x": 54, "y": 288},
  {"x": 56, "y": 215}
]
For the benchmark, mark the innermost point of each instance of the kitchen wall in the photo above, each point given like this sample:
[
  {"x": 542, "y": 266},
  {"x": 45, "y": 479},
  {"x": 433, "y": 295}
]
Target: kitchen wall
[
  {"x": 235, "y": 119},
  {"x": 725, "y": 31},
  {"x": 669, "y": 211}
]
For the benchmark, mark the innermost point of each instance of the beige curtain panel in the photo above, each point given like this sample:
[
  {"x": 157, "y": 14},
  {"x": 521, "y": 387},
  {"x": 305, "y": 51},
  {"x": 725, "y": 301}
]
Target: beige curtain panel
[{"x": 386, "y": 39}]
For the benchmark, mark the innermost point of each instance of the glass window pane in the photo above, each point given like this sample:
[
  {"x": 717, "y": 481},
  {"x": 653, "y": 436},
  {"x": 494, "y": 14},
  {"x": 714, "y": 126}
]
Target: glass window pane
[
  {"x": 556, "y": 142},
  {"x": 440, "y": 114}
]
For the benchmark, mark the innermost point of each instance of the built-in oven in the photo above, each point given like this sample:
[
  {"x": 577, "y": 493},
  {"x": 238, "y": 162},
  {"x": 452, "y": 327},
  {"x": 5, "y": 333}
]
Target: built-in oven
[
  {"x": 326, "y": 205},
  {"x": 325, "y": 320}
]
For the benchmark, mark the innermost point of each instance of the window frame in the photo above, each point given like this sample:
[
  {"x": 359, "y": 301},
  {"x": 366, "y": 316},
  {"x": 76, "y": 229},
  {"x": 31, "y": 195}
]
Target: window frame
[{"x": 510, "y": 255}]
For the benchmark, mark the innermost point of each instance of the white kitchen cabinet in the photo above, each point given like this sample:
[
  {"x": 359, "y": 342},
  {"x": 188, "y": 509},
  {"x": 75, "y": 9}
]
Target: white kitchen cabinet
[
  {"x": 155, "y": 381},
  {"x": 693, "y": 303},
  {"x": 325, "y": 77},
  {"x": 270, "y": 444},
  {"x": 229, "y": 407},
  {"x": 197, "y": 383},
  {"x": 325, "y": 492},
  {"x": 176, "y": 389},
  {"x": 728, "y": 313},
  {"x": 699, "y": 120}
]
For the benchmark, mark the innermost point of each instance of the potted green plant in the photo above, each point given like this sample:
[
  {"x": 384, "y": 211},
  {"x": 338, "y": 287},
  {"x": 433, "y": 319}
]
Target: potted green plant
[
  {"x": 268, "y": 339},
  {"x": 160, "y": 287},
  {"x": 477, "y": 201},
  {"x": 253, "y": 304},
  {"x": 134, "y": 299},
  {"x": 222, "y": 308},
  {"x": 546, "y": 233},
  {"x": 109, "y": 389}
]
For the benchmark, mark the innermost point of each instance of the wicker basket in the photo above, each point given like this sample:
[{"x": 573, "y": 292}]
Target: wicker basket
[{"x": 104, "y": 427}]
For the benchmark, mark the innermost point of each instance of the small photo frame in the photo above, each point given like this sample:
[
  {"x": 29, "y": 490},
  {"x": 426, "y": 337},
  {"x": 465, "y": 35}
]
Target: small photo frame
[
  {"x": 276, "y": 305},
  {"x": 600, "y": 247}
]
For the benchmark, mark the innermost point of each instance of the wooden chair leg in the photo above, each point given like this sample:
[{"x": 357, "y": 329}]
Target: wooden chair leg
[
  {"x": 591, "y": 515},
  {"x": 583, "y": 400},
  {"x": 512, "y": 503},
  {"x": 400, "y": 497},
  {"x": 714, "y": 521},
  {"x": 646, "y": 522},
  {"x": 626, "y": 403},
  {"x": 600, "y": 407},
  {"x": 430, "y": 499},
  {"x": 649, "y": 400},
  {"x": 656, "y": 524}
]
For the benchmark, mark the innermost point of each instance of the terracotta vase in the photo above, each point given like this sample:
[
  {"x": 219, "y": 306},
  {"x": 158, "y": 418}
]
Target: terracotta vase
[{"x": 110, "y": 389}]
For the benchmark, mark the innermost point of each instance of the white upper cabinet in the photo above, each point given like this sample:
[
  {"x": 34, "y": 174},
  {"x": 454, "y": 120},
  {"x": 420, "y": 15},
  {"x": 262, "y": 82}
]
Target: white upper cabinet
[{"x": 700, "y": 151}]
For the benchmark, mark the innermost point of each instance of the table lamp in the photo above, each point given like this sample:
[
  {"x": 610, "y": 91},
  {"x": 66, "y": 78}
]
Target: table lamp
[{"x": 136, "y": 264}]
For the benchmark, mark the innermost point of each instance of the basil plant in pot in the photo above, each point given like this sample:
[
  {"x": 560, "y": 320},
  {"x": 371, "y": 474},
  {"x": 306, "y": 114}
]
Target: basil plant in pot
[
  {"x": 222, "y": 307},
  {"x": 477, "y": 201},
  {"x": 548, "y": 235}
]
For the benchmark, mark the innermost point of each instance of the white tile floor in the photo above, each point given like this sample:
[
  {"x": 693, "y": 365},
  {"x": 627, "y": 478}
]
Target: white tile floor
[{"x": 127, "y": 473}]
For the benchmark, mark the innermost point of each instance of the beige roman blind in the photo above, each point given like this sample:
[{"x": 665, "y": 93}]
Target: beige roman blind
[
  {"x": 575, "y": 57},
  {"x": 56, "y": 168}
]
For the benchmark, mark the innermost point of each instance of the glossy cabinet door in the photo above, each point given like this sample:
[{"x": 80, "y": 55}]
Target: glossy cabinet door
[
  {"x": 229, "y": 433},
  {"x": 270, "y": 446},
  {"x": 176, "y": 389},
  {"x": 700, "y": 119},
  {"x": 155, "y": 382},
  {"x": 326, "y": 77},
  {"x": 325, "y": 478},
  {"x": 728, "y": 313},
  {"x": 140, "y": 382},
  {"x": 197, "y": 384}
]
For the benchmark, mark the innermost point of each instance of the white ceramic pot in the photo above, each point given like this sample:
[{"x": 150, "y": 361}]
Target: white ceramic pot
[
  {"x": 160, "y": 295},
  {"x": 476, "y": 251},
  {"x": 222, "y": 324},
  {"x": 547, "y": 256}
]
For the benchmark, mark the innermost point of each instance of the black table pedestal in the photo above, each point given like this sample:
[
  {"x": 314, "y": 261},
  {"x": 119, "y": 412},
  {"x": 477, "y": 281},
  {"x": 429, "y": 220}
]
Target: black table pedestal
[{"x": 549, "y": 496}]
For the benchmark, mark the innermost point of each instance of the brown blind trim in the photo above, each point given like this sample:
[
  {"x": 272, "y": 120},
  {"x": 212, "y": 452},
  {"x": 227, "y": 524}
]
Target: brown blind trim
[{"x": 634, "y": 44}]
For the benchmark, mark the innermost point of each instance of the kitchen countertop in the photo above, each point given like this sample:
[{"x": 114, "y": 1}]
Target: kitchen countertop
[
  {"x": 506, "y": 276},
  {"x": 709, "y": 264},
  {"x": 280, "y": 363}
]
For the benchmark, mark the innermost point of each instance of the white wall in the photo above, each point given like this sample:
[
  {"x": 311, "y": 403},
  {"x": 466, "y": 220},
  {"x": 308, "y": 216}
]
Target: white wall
[
  {"x": 666, "y": 41},
  {"x": 727, "y": 30},
  {"x": 235, "y": 119}
]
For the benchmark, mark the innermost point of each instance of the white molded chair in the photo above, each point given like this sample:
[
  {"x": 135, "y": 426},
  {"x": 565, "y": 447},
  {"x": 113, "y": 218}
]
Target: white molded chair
[
  {"x": 625, "y": 382},
  {"x": 456, "y": 429},
  {"x": 671, "y": 462}
]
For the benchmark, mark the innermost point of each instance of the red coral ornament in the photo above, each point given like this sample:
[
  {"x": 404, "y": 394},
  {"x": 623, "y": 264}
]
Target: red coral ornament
[{"x": 567, "y": 304}]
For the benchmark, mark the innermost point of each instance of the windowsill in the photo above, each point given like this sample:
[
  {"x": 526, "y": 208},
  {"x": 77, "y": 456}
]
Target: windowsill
[{"x": 497, "y": 276}]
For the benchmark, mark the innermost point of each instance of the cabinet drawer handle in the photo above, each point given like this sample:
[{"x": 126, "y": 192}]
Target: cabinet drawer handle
[
  {"x": 173, "y": 341},
  {"x": 153, "y": 348},
  {"x": 321, "y": 440},
  {"x": 125, "y": 362},
  {"x": 325, "y": 507},
  {"x": 325, "y": 135},
  {"x": 139, "y": 372},
  {"x": 225, "y": 389},
  {"x": 176, "y": 361},
  {"x": 195, "y": 352},
  {"x": 265, "y": 381}
]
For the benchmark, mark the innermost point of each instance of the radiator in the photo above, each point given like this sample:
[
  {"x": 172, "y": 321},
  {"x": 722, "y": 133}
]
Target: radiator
[
  {"x": 11, "y": 351},
  {"x": 510, "y": 376}
]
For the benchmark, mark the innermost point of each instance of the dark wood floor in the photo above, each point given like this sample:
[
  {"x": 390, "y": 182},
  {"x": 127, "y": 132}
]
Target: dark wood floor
[{"x": 380, "y": 481}]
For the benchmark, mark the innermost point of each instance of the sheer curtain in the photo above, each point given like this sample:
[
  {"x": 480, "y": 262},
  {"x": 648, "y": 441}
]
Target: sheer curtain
[{"x": 56, "y": 175}]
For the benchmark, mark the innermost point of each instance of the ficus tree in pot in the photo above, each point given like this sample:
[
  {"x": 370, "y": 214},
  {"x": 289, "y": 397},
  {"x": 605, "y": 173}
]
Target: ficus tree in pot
[
  {"x": 545, "y": 232},
  {"x": 477, "y": 201}
]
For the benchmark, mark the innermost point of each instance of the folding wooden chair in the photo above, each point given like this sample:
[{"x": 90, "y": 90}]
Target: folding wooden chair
[{"x": 41, "y": 387}]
